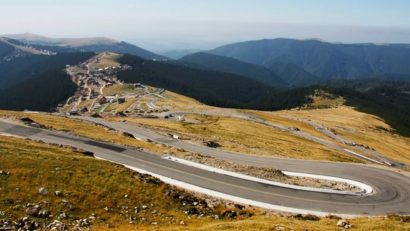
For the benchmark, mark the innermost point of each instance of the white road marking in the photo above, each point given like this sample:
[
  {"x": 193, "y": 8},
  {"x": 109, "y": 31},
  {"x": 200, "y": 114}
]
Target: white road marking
[{"x": 366, "y": 189}]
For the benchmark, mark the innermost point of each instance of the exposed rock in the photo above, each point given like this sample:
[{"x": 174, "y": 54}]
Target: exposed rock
[
  {"x": 128, "y": 135},
  {"x": 344, "y": 224},
  {"x": 92, "y": 217},
  {"x": 120, "y": 114},
  {"x": 191, "y": 211},
  {"x": 62, "y": 215},
  {"x": 44, "y": 213},
  {"x": 66, "y": 203},
  {"x": 96, "y": 115},
  {"x": 6, "y": 225},
  {"x": 212, "y": 144},
  {"x": 148, "y": 179},
  {"x": 87, "y": 153},
  {"x": 57, "y": 225},
  {"x": 32, "y": 123},
  {"x": 58, "y": 193},
  {"x": 33, "y": 210},
  {"x": 295, "y": 129},
  {"x": 83, "y": 223},
  {"x": 43, "y": 191},
  {"x": 306, "y": 217},
  {"x": 4, "y": 173},
  {"x": 230, "y": 214},
  {"x": 26, "y": 224},
  {"x": 26, "y": 120}
]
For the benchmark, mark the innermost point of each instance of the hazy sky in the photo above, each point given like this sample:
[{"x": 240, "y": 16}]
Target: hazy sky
[{"x": 168, "y": 24}]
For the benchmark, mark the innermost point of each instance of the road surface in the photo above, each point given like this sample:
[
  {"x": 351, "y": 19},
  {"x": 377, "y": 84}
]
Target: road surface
[{"x": 391, "y": 189}]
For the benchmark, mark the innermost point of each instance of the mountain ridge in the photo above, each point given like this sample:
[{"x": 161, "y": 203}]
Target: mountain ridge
[
  {"x": 234, "y": 66},
  {"x": 323, "y": 59},
  {"x": 93, "y": 44}
]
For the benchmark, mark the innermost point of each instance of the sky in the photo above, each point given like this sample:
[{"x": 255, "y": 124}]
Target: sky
[{"x": 203, "y": 24}]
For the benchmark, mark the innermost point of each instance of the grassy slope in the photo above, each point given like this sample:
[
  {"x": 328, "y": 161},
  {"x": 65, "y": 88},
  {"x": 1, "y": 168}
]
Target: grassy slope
[
  {"x": 360, "y": 127},
  {"x": 81, "y": 128},
  {"x": 107, "y": 60},
  {"x": 247, "y": 137},
  {"x": 241, "y": 135},
  {"x": 91, "y": 185},
  {"x": 118, "y": 89},
  {"x": 230, "y": 132}
]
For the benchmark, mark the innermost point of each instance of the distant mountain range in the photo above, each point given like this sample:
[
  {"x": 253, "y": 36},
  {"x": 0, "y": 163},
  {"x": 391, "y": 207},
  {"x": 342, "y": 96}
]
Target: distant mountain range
[
  {"x": 234, "y": 66},
  {"x": 276, "y": 62},
  {"x": 265, "y": 75},
  {"x": 97, "y": 44},
  {"x": 321, "y": 59}
]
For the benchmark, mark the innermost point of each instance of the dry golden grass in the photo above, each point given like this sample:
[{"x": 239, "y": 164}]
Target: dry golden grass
[
  {"x": 90, "y": 185},
  {"x": 273, "y": 118},
  {"x": 107, "y": 59},
  {"x": 180, "y": 102},
  {"x": 323, "y": 99},
  {"x": 124, "y": 106},
  {"x": 359, "y": 127},
  {"x": 276, "y": 222},
  {"x": 120, "y": 89},
  {"x": 85, "y": 103},
  {"x": 82, "y": 128},
  {"x": 247, "y": 137}
]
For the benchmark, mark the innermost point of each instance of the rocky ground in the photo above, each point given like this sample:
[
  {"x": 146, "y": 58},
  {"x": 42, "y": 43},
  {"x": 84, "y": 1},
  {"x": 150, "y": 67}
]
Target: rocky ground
[
  {"x": 269, "y": 173},
  {"x": 38, "y": 215}
]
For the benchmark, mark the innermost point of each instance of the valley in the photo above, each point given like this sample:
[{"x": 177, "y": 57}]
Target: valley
[
  {"x": 138, "y": 128},
  {"x": 100, "y": 93}
]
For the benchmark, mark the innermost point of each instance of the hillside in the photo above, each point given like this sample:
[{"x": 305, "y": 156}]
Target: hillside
[
  {"x": 75, "y": 187},
  {"x": 5, "y": 49},
  {"x": 37, "y": 82},
  {"x": 27, "y": 67},
  {"x": 122, "y": 48},
  {"x": 42, "y": 92},
  {"x": 138, "y": 202},
  {"x": 388, "y": 100},
  {"x": 97, "y": 44},
  {"x": 294, "y": 75},
  {"x": 322, "y": 59},
  {"x": 211, "y": 87},
  {"x": 233, "y": 66}
]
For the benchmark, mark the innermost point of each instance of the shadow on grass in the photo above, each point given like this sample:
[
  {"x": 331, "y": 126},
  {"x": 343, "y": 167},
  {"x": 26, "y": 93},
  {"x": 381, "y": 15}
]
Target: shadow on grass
[{"x": 397, "y": 117}]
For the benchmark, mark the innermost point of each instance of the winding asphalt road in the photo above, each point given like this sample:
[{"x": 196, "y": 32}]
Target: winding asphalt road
[{"x": 391, "y": 189}]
